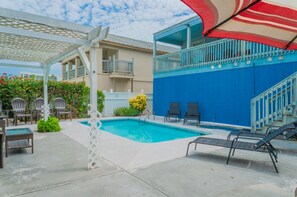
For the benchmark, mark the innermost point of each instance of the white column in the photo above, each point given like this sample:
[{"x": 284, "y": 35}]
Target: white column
[
  {"x": 76, "y": 60},
  {"x": 93, "y": 75},
  {"x": 154, "y": 56},
  {"x": 93, "y": 156},
  {"x": 189, "y": 39},
  {"x": 155, "y": 49},
  {"x": 46, "y": 70}
]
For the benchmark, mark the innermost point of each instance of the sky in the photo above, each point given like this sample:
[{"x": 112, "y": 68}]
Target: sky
[{"x": 137, "y": 19}]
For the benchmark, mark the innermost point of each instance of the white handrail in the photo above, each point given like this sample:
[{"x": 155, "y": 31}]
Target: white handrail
[{"x": 270, "y": 105}]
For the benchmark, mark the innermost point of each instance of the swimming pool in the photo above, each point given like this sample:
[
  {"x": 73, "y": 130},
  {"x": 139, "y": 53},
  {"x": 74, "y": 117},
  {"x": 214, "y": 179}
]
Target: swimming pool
[{"x": 145, "y": 132}]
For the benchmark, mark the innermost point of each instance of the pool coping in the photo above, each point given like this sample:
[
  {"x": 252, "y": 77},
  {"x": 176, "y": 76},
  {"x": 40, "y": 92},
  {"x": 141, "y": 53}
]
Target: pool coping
[{"x": 202, "y": 133}]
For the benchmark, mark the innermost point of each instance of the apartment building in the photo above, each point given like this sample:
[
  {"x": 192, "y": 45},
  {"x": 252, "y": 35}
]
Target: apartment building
[{"x": 124, "y": 64}]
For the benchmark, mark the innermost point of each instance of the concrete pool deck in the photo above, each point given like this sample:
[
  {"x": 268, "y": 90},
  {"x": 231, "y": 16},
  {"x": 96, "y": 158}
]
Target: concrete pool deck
[
  {"x": 129, "y": 154},
  {"x": 58, "y": 168}
]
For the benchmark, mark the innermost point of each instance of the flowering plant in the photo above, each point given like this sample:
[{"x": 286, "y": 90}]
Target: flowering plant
[{"x": 138, "y": 102}]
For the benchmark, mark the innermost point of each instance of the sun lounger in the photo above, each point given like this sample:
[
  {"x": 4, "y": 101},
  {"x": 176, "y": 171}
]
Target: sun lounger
[
  {"x": 252, "y": 145},
  {"x": 248, "y": 133}
]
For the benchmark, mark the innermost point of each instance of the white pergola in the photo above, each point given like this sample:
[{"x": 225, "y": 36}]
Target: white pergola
[{"x": 36, "y": 42}]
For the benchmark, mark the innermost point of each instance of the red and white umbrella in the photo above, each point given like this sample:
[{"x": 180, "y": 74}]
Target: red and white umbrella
[{"x": 271, "y": 22}]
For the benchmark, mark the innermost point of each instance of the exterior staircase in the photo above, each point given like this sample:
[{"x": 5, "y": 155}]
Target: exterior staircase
[{"x": 276, "y": 106}]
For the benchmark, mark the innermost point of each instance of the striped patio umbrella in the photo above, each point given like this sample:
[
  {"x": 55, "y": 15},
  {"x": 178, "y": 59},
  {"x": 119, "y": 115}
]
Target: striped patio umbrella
[{"x": 271, "y": 22}]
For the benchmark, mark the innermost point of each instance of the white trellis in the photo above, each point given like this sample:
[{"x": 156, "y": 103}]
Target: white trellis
[{"x": 30, "y": 38}]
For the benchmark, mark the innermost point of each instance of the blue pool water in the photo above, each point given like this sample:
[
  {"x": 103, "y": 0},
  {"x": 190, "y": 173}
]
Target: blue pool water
[{"x": 145, "y": 132}]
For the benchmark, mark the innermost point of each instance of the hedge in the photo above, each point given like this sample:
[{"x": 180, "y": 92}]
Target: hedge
[{"x": 76, "y": 95}]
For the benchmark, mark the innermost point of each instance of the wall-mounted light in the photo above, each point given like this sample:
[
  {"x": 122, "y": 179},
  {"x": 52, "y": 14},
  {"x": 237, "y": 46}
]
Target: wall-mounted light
[
  {"x": 269, "y": 59},
  {"x": 281, "y": 57},
  {"x": 235, "y": 63},
  {"x": 248, "y": 62},
  {"x": 212, "y": 67},
  {"x": 220, "y": 66}
]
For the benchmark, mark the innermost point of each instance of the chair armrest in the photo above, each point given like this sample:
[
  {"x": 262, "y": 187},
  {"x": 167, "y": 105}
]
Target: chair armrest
[
  {"x": 268, "y": 130},
  {"x": 257, "y": 138},
  {"x": 253, "y": 135}
]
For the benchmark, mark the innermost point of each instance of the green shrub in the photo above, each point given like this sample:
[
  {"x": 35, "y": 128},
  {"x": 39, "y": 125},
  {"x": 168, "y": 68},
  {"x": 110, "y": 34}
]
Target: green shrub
[
  {"x": 51, "y": 125},
  {"x": 76, "y": 95},
  {"x": 138, "y": 102},
  {"x": 126, "y": 111}
]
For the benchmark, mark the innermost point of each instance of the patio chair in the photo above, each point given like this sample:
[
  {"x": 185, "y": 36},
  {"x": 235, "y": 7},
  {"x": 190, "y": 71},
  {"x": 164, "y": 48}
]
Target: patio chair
[
  {"x": 192, "y": 113},
  {"x": 260, "y": 145},
  {"x": 19, "y": 110},
  {"x": 173, "y": 112},
  {"x": 38, "y": 107},
  {"x": 4, "y": 114},
  {"x": 60, "y": 107}
]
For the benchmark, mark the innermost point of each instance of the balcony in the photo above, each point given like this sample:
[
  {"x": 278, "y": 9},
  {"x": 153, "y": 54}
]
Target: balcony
[
  {"x": 65, "y": 75},
  {"x": 118, "y": 68},
  {"x": 216, "y": 53},
  {"x": 81, "y": 71},
  {"x": 71, "y": 74}
]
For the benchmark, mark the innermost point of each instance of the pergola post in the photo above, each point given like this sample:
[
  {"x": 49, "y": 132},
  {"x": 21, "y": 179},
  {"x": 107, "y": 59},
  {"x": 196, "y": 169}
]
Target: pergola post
[
  {"x": 91, "y": 67},
  {"x": 46, "y": 108},
  {"x": 94, "y": 129}
]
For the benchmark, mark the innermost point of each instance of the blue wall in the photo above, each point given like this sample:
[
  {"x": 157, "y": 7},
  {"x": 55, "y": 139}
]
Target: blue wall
[{"x": 223, "y": 96}]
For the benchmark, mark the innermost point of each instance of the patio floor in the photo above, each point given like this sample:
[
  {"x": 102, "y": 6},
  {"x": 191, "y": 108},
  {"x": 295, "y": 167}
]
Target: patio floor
[{"x": 58, "y": 168}]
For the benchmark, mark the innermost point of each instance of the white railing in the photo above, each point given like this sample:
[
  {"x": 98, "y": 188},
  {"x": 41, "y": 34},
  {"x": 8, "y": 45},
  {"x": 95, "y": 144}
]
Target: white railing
[
  {"x": 270, "y": 105},
  {"x": 81, "y": 71},
  {"x": 71, "y": 74},
  {"x": 65, "y": 75},
  {"x": 215, "y": 53},
  {"x": 121, "y": 67}
]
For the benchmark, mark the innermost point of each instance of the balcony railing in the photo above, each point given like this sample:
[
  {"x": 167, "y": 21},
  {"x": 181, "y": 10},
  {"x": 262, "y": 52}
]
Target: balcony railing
[
  {"x": 81, "y": 71},
  {"x": 71, "y": 74},
  {"x": 119, "y": 67},
  {"x": 215, "y": 53},
  {"x": 65, "y": 75}
]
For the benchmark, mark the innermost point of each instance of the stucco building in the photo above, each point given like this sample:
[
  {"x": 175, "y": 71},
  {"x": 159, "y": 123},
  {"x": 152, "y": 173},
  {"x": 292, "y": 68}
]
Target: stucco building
[{"x": 124, "y": 64}]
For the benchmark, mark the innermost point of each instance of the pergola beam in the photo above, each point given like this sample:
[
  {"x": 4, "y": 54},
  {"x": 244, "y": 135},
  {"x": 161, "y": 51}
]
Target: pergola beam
[
  {"x": 18, "y": 65},
  {"x": 84, "y": 59},
  {"x": 43, "y": 36},
  {"x": 102, "y": 35},
  {"x": 67, "y": 53},
  {"x": 7, "y": 13}
]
